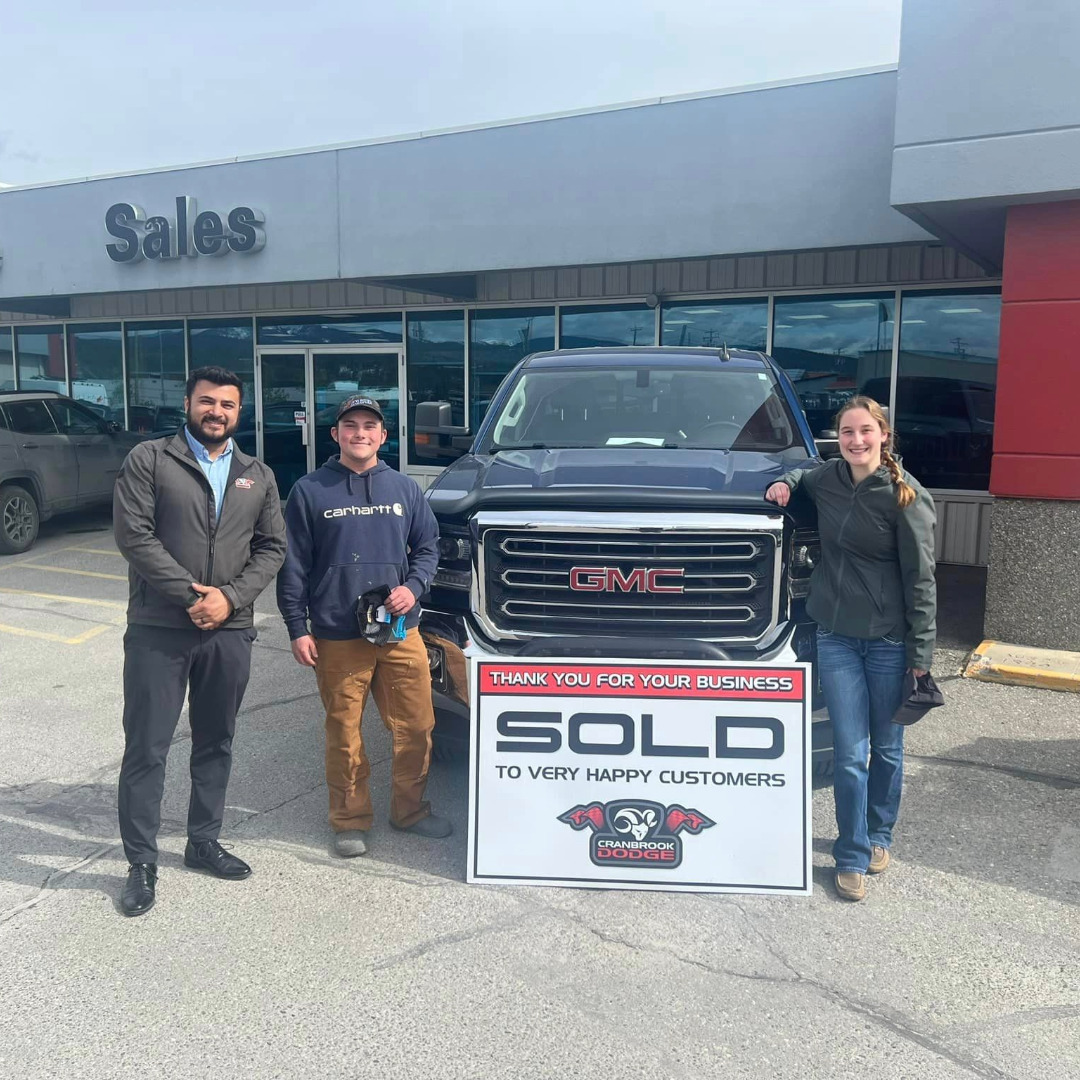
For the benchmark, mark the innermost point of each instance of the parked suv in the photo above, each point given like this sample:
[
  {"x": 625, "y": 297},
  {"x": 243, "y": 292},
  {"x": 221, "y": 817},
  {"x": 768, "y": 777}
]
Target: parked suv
[
  {"x": 612, "y": 505},
  {"x": 55, "y": 455}
]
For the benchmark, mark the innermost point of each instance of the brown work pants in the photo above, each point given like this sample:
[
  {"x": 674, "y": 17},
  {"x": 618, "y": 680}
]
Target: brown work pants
[{"x": 398, "y": 675}]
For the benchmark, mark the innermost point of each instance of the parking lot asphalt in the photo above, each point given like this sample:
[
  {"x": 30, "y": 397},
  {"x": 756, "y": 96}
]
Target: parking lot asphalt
[{"x": 964, "y": 961}]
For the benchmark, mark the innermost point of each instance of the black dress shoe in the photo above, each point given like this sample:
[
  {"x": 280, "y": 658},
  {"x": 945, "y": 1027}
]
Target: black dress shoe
[
  {"x": 138, "y": 895},
  {"x": 210, "y": 855}
]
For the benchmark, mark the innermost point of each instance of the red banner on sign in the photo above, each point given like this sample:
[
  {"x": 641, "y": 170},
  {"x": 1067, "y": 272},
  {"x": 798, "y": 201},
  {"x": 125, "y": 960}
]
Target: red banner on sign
[{"x": 641, "y": 681}]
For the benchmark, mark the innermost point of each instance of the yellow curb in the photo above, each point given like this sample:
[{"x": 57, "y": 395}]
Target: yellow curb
[{"x": 1017, "y": 665}]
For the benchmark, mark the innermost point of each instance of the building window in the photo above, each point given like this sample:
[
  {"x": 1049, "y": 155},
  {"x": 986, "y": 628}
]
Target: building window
[
  {"x": 435, "y": 371},
  {"x": 7, "y": 359},
  {"x": 96, "y": 367},
  {"x": 739, "y": 324},
  {"x": 498, "y": 339},
  {"x": 156, "y": 376},
  {"x": 607, "y": 325},
  {"x": 834, "y": 347},
  {"x": 945, "y": 386},
  {"x": 381, "y": 329},
  {"x": 39, "y": 353},
  {"x": 228, "y": 343}
]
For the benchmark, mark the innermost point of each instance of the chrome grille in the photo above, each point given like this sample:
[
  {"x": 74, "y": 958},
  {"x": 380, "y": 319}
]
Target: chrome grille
[{"x": 726, "y": 582}]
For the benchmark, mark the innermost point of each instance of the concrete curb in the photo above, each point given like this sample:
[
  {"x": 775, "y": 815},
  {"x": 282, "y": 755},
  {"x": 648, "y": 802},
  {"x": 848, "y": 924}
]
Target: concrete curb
[{"x": 1015, "y": 665}]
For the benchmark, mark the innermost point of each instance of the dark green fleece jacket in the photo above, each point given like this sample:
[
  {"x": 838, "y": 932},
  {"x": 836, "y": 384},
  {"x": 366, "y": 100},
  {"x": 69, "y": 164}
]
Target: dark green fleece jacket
[{"x": 876, "y": 575}]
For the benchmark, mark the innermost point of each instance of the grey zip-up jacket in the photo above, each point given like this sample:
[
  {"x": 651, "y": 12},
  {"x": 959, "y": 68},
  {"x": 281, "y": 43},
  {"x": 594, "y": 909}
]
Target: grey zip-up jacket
[
  {"x": 876, "y": 576},
  {"x": 165, "y": 526}
]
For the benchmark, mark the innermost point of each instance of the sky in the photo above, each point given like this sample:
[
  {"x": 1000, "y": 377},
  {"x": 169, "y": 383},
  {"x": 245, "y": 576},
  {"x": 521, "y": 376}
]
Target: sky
[{"x": 120, "y": 87}]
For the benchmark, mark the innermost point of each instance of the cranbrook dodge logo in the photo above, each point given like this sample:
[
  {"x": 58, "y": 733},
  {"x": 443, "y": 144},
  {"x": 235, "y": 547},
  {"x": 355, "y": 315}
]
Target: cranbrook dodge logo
[{"x": 636, "y": 831}]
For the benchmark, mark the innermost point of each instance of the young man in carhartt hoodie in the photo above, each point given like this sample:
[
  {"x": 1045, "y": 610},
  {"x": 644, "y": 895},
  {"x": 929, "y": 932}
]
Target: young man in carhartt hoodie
[{"x": 354, "y": 525}]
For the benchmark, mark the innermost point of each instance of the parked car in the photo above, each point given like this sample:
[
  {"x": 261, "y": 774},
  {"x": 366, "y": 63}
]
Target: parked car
[{"x": 55, "y": 455}]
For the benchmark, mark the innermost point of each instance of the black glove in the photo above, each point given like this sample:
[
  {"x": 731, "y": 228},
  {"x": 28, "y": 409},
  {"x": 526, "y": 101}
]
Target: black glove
[{"x": 378, "y": 633}]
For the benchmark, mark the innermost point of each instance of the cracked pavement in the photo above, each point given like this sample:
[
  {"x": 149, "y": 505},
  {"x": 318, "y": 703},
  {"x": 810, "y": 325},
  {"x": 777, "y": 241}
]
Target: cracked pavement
[{"x": 964, "y": 961}]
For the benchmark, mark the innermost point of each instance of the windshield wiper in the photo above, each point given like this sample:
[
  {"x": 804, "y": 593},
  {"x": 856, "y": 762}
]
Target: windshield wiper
[{"x": 542, "y": 446}]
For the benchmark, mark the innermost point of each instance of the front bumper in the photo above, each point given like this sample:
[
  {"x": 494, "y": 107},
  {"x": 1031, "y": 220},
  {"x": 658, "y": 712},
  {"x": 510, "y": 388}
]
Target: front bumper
[{"x": 450, "y": 650}]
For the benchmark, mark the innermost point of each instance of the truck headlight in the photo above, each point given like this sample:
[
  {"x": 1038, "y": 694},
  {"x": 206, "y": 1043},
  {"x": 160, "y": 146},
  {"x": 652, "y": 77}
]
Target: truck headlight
[
  {"x": 805, "y": 555},
  {"x": 455, "y": 557}
]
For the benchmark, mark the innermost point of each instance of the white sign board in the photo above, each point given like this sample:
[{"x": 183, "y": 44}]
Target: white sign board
[{"x": 630, "y": 774}]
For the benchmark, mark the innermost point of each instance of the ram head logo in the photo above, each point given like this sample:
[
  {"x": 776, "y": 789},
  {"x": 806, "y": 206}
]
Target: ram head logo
[{"x": 639, "y": 823}]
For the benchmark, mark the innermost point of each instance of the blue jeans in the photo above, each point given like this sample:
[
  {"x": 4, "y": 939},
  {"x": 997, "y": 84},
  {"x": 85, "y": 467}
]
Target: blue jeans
[{"x": 863, "y": 681}]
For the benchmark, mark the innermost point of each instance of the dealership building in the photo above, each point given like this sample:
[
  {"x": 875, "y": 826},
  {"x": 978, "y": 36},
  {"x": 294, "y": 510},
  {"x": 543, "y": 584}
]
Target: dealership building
[{"x": 911, "y": 232}]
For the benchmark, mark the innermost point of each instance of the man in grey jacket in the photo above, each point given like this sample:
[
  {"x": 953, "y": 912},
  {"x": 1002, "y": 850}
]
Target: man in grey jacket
[{"x": 200, "y": 525}]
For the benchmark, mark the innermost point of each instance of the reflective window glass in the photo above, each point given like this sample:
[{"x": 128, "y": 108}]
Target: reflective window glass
[
  {"x": 39, "y": 351},
  {"x": 227, "y": 343},
  {"x": 498, "y": 339},
  {"x": 610, "y": 324},
  {"x": 156, "y": 376},
  {"x": 622, "y": 407},
  {"x": 342, "y": 375},
  {"x": 96, "y": 365},
  {"x": 30, "y": 418},
  {"x": 945, "y": 387},
  {"x": 73, "y": 419},
  {"x": 739, "y": 324},
  {"x": 384, "y": 327},
  {"x": 7, "y": 359},
  {"x": 832, "y": 347},
  {"x": 435, "y": 370}
]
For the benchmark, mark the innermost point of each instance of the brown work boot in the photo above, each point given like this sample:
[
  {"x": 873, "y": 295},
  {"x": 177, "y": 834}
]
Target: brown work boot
[
  {"x": 879, "y": 859},
  {"x": 850, "y": 885}
]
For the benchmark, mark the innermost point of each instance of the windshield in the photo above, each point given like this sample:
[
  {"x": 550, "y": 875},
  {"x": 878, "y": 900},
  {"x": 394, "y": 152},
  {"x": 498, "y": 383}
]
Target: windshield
[{"x": 669, "y": 407}]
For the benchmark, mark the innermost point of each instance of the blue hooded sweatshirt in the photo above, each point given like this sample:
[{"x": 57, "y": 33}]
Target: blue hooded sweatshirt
[{"x": 347, "y": 533}]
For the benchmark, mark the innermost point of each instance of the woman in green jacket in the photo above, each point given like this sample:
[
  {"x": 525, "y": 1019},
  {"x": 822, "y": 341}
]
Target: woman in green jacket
[{"x": 874, "y": 599}]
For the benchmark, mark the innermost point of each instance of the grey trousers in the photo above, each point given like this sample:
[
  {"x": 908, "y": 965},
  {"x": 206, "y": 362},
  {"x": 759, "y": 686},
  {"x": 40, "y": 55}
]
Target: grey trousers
[{"x": 161, "y": 666}]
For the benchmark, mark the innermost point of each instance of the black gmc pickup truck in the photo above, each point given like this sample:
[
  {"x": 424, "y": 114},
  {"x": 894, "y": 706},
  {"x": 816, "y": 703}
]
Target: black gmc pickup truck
[{"x": 612, "y": 504}]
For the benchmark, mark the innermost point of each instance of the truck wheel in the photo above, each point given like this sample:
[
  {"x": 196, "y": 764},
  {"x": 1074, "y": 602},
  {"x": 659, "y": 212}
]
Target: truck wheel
[
  {"x": 19, "y": 519},
  {"x": 443, "y": 750},
  {"x": 822, "y": 772}
]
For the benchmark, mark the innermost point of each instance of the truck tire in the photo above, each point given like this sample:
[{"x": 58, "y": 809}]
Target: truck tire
[
  {"x": 822, "y": 772},
  {"x": 19, "y": 519},
  {"x": 445, "y": 750}
]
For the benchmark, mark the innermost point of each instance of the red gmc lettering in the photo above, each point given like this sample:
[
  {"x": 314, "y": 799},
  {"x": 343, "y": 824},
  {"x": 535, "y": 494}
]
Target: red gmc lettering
[{"x": 638, "y": 579}]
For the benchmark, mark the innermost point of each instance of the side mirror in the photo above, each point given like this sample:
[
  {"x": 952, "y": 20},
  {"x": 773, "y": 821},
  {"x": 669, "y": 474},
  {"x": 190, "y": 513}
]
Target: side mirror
[
  {"x": 828, "y": 443},
  {"x": 114, "y": 427},
  {"x": 434, "y": 433}
]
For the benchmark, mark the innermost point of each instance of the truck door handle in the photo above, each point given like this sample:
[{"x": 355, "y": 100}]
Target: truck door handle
[{"x": 30, "y": 446}]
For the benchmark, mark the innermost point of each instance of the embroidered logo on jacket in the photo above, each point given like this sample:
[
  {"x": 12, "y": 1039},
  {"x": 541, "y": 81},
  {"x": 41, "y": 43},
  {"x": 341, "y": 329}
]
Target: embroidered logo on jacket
[{"x": 244, "y": 482}]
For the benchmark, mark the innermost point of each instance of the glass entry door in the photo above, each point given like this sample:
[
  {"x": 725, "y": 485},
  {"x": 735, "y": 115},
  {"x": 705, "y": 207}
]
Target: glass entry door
[
  {"x": 284, "y": 428},
  {"x": 299, "y": 391}
]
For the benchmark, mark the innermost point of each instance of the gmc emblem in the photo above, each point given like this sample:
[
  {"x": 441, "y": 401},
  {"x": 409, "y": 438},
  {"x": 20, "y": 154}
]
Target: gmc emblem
[{"x": 612, "y": 579}]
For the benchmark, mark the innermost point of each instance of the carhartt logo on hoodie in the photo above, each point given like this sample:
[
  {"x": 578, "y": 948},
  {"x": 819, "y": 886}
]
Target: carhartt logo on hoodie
[{"x": 364, "y": 511}]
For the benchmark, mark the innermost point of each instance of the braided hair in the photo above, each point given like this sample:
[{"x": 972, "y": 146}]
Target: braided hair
[{"x": 905, "y": 493}]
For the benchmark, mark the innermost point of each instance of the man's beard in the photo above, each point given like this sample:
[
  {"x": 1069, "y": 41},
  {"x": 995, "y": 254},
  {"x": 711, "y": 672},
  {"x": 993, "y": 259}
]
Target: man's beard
[{"x": 208, "y": 440}]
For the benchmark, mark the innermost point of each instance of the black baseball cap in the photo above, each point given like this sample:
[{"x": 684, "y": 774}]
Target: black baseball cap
[
  {"x": 920, "y": 695},
  {"x": 351, "y": 403}
]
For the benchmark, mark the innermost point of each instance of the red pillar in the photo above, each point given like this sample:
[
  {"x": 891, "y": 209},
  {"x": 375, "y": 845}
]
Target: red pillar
[{"x": 1037, "y": 422}]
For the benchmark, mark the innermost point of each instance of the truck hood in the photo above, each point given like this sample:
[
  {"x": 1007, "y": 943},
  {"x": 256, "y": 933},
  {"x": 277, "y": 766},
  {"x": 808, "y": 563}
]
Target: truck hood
[{"x": 639, "y": 478}]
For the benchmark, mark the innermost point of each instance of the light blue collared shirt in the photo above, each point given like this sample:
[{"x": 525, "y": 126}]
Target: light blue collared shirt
[{"x": 216, "y": 471}]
